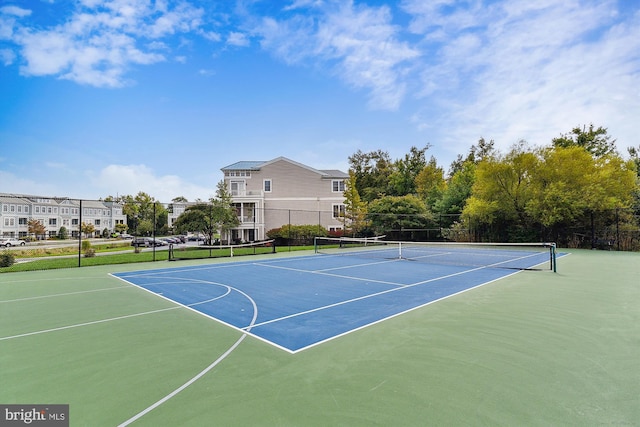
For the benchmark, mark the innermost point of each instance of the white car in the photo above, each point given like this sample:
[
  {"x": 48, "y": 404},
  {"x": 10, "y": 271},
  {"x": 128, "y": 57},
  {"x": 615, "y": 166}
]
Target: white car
[{"x": 10, "y": 241}]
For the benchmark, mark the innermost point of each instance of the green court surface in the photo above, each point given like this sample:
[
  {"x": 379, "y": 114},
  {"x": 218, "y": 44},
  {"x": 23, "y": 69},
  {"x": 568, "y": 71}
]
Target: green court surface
[{"x": 534, "y": 349}]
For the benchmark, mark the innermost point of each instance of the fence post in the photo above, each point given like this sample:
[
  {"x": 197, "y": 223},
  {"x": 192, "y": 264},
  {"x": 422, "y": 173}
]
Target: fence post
[{"x": 80, "y": 237}]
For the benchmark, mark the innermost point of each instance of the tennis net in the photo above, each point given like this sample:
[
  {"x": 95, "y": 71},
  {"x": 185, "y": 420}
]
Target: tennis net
[
  {"x": 183, "y": 252},
  {"x": 518, "y": 256}
]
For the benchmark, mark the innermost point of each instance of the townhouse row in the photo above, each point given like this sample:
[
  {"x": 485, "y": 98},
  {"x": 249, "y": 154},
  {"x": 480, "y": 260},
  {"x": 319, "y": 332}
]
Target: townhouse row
[{"x": 16, "y": 210}]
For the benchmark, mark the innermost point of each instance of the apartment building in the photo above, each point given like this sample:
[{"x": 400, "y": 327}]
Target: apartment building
[
  {"x": 16, "y": 210},
  {"x": 270, "y": 194}
]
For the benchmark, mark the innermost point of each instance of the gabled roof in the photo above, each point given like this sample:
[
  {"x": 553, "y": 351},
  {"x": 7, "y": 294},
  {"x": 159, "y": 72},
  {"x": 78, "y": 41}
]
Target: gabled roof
[{"x": 251, "y": 165}]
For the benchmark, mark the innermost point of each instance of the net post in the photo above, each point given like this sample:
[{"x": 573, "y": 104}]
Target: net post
[
  {"x": 170, "y": 257},
  {"x": 553, "y": 258}
]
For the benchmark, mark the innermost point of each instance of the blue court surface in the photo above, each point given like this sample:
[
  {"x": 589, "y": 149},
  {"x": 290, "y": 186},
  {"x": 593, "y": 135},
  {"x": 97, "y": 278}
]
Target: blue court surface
[{"x": 296, "y": 303}]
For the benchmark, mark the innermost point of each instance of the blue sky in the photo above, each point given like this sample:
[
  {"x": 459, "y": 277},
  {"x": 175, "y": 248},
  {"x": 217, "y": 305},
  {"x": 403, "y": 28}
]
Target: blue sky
[{"x": 106, "y": 97}]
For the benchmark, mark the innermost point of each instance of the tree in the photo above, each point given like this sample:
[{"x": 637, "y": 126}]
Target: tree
[
  {"x": 36, "y": 228},
  {"x": 457, "y": 190},
  {"x": 87, "y": 229},
  {"x": 63, "y": 233},
  {"x": 397, "y": 213},
  {"x": 224, "y": 213},
  {"x": 140, "y": 214},
  {"x": 430, "y": 183},
  {"x": 634, "y": 154},
  {"x": 595, "y": 141},
  {"x": 372, "y": 171},
  {"x": 477, "y": 153},
  {"x": 209, "y": 218},
  {"x": 121, "y": 228},
  {"x": 355, "y": 208},
  {"x": 402, "y": 180},
  {"x": 501, "y": 192}
]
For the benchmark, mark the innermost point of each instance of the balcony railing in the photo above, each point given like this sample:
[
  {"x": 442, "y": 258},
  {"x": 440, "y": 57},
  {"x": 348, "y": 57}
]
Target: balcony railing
[{"x": 244, "y": 193}]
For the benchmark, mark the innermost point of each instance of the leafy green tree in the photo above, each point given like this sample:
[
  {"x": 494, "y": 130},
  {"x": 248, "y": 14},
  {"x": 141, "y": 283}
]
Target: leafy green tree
[
  {"x": 402, "y": 180},
  {"x": 87, "y": 229},
  {"x": 503, "y": 184},
  {"x": 355, "y": 208},
  {"x": 457, "y": 190},
  {"x": 430, "y": 183},
  {"x": 121, "y": 228},
  {"x": 634, "y": 154},
  {"x": 478, "y": 152},
  {"x": 398, "y": 212},
  {"x": 595, "y": 141},
  {"x": 198, "y": 219},
  {"x": 63, "y": 233},
  {"x": 372, "y": 171},
  {"x": 140, "y": 210},
  {"x": 209, "y": 218},
  {"x": 224, "y": 214}
]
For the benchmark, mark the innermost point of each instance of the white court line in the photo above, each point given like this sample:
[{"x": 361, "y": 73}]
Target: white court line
[
  {"x": 400, "y": 287},
  {"x": 205, "y": 370},
  {"x": 95, "y": 322},
  {"x": 323, "y": 273},
  {"x": 63, "y": 294}
]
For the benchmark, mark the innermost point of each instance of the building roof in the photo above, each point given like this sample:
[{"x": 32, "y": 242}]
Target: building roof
[
  {"x": 255, "y": 165},
  {"x": 244, "y": 165}
]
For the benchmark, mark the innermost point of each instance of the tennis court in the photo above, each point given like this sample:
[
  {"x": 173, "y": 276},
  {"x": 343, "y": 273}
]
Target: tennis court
[
  {"x": 297, "y": 303},
  {"x": 508, "y": 347}
]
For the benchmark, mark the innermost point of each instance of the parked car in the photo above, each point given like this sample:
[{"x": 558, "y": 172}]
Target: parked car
[
  {"x": 147, "y": 242},
  {"x": 10, "y": 241}
]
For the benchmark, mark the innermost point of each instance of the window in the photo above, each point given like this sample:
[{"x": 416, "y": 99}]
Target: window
[
  {"x": 75, "y": 221},
  {"x": 338, "y": 211},
  {"x": 267, "y": 186},
  {"x": 53, "y": 221},
  {"x": 237, "y": 188},
  {"x": 337, "y": 186},
  {"x": 22, "y": 221}
]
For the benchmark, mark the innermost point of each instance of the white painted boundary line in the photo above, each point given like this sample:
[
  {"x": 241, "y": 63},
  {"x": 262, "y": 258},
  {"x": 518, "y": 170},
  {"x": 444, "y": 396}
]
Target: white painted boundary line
[
  {"x": 63, "y": 294},
  {"x": 213, "y": 364},
  {"x": 95, "y": 322}
]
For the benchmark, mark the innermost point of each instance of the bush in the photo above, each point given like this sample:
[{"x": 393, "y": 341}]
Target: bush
[
  {"x": 7, "y": 259},
  {"x": 87, "y": 249},
  {"x": 63, "y": 233},
  {"x": 90, "y": 253}
]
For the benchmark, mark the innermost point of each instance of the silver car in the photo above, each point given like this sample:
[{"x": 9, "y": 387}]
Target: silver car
[{"x": 10, "y": 241}]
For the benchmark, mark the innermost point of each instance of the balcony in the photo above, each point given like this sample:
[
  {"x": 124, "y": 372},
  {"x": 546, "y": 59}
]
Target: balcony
[{"x": 245, "y": 193}]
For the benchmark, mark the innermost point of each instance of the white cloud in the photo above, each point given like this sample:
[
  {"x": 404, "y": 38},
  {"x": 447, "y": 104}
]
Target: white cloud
[
  {"x": 360, "y": 43},
  {"x": 131, "y": 179},
  {"x": 528, "y": 70},
  {"x": 238, "y": 39},
  {"x": 101, "y": 40},
  {"x": 15, "y": 11},
  {"x": 7, "y": 56}
]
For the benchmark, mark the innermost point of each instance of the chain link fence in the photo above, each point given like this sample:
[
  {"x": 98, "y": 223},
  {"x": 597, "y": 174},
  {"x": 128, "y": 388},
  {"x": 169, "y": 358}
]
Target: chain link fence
[{"x": 65, "y": 233}]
